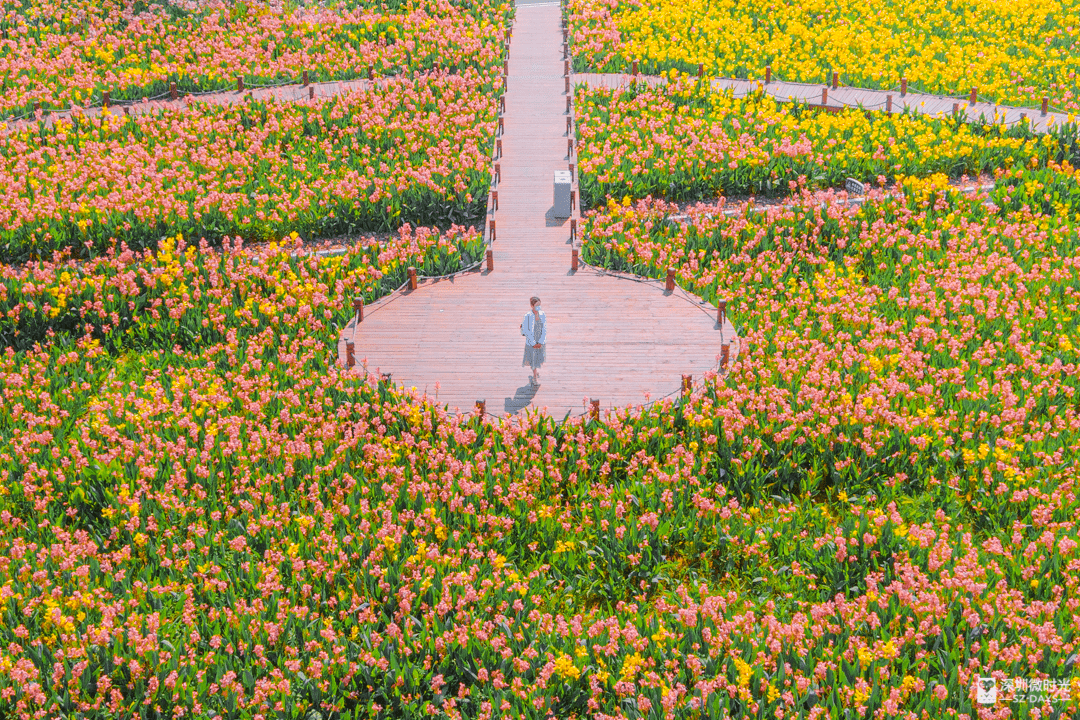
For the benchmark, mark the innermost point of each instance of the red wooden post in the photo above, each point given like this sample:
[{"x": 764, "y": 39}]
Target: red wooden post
[
  {"x": 127, "y": 110},
  {"x": 358, "y": 308},
  {"x": 569, "y": 147},
  {"x": 490, "y": 257},
  {"x": 594, "y": 410},
  {"x": 370, "y": 72},
  {"x": 571, "y": 171},
  {"x": 633, "y": 68},
  {"x": 700, "y": 70},
  {"x": 481, "y": 407},
  {"x": 568, "y": 125},
  {"x": 955, "y": 109},
  {"x": 37, "y": 105},
  {"x": 574, "y": 259},
  {"x": 172, "y": 90},
  {"x": 725, "y": 354},
  {"x": 498, "y": 172},
  {"x": 502, "y": 103},
  {"x": 502, "y": 128},
  {"x": 567, "y": 79},
  {"x": 498, "y": 148},
  {"x": 573, "y": 197},
  {"x": 491, "y": 227},
  {"x": 835, "y": 80},
  {"x": 412, "y": 277},
  {"x": 506, "y": 67},
  {"x": 239, "y": 83},
  {"x": 1045, "y": 105},
  {"x": 669, "y": 286},
  {"x": 903, "y": 86},
  {"x": 494, "y": 199},
  {"x": 721, "y": 312},
  {"x": 566, "y": 67},
  {"x": 567, "y": 103},
  {"x": 888, "y": 104},
  {"x": 311, "y": 92},
  {"x": 768, "y": 74},
  {"x": 687, "y": 384},
  {"x": 824, "y": 96},
  {"x": 305, "y": 78},
  {"x": 974, "y": 97},
  {"x": 573, "y": 228},
  {"x": 350, "y": 353},
  {"x": 105, "y": 98}
]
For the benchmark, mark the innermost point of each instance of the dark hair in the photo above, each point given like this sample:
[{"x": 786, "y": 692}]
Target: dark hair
[{"x": 534, "y": 300}]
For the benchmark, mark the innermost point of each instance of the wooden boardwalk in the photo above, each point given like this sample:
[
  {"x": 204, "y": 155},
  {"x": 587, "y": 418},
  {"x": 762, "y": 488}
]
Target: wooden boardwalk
[
  {"x": 840, "y": 97},
  {"x": 617, "y": 339}
]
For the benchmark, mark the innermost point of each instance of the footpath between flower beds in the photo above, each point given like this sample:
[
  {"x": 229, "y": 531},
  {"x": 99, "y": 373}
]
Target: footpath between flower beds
[
  {"x": 612, "y": 340},
  {"x": 835, "y": 98}
]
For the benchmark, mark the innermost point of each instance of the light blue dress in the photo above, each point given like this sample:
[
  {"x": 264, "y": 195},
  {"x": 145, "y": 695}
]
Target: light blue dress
[{"x": 534, "y": 357}]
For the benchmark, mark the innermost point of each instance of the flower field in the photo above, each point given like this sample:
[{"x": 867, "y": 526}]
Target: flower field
[
  {"x": 203, "y": 515},
  {"x": 1014, "y": 53},
  {"x": 414, "y": 150},
  {"x": 64, "y": 53},
  {"x": 683, "y": 141}
]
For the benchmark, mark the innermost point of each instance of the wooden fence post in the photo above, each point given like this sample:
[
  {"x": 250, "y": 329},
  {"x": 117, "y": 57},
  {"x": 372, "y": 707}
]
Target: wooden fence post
[
  {"x": 1045, "y": 105},
  {"x": 687, "y": 384},
  {"x": 491, "y": 227},
  {"x": 481, "y": 407},
  {"x": 835, "y": 80},
  {"x": 594, "y": 409},
  {"x": 768, "y": 74},
  {"x": 172, "y": 90},
  {"x": 305, "y": 78},
  {"x": 700, "y": 70},
  {"x": 494, "y": 199},
  {"x": 974, "y": 97},
  {"x": 824, "y": 96},
  {"x": 574, "y": 259},
  {"x": 412, "y": 278},
  {"x": 311, "y": 92},
  {"x": 669, "y": 286},
  {"x": 725, "y": 354},
  {"x": 350, "y": 353},
  {"x": 903, "y": 86},
  {"x": 633, "y": 68},
  {"x": 573, "y": 229},
  {"x": 888, "y": 104},
  {"x": 498, "y": 172},
  {"x": 490, "y": 257},
  {"x": 239, "y": 83},
  {"x": 721, "y": 312},
  {"x": 358, "y": 308}
]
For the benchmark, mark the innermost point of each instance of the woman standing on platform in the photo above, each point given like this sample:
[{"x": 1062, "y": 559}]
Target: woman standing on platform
[{"x": 534, "y": 328}]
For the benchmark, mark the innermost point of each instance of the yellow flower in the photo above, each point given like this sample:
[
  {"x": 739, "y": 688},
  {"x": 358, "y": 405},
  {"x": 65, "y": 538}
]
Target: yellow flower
[{"x": 564, "y": 666}]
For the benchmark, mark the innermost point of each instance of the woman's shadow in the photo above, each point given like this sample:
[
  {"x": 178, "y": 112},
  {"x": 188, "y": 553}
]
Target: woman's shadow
[{"x": 522, "y": 397}]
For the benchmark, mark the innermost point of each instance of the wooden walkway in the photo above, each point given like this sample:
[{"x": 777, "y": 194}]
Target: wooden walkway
[
  {"x": 841, "y": 97},
  {"x": 620, "y": 340}
]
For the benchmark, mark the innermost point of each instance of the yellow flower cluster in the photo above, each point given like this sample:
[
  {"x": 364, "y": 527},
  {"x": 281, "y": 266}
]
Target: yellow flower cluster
[
  {"x": 1014, "y": 52},
  {"x": 564, "y": 666}
]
